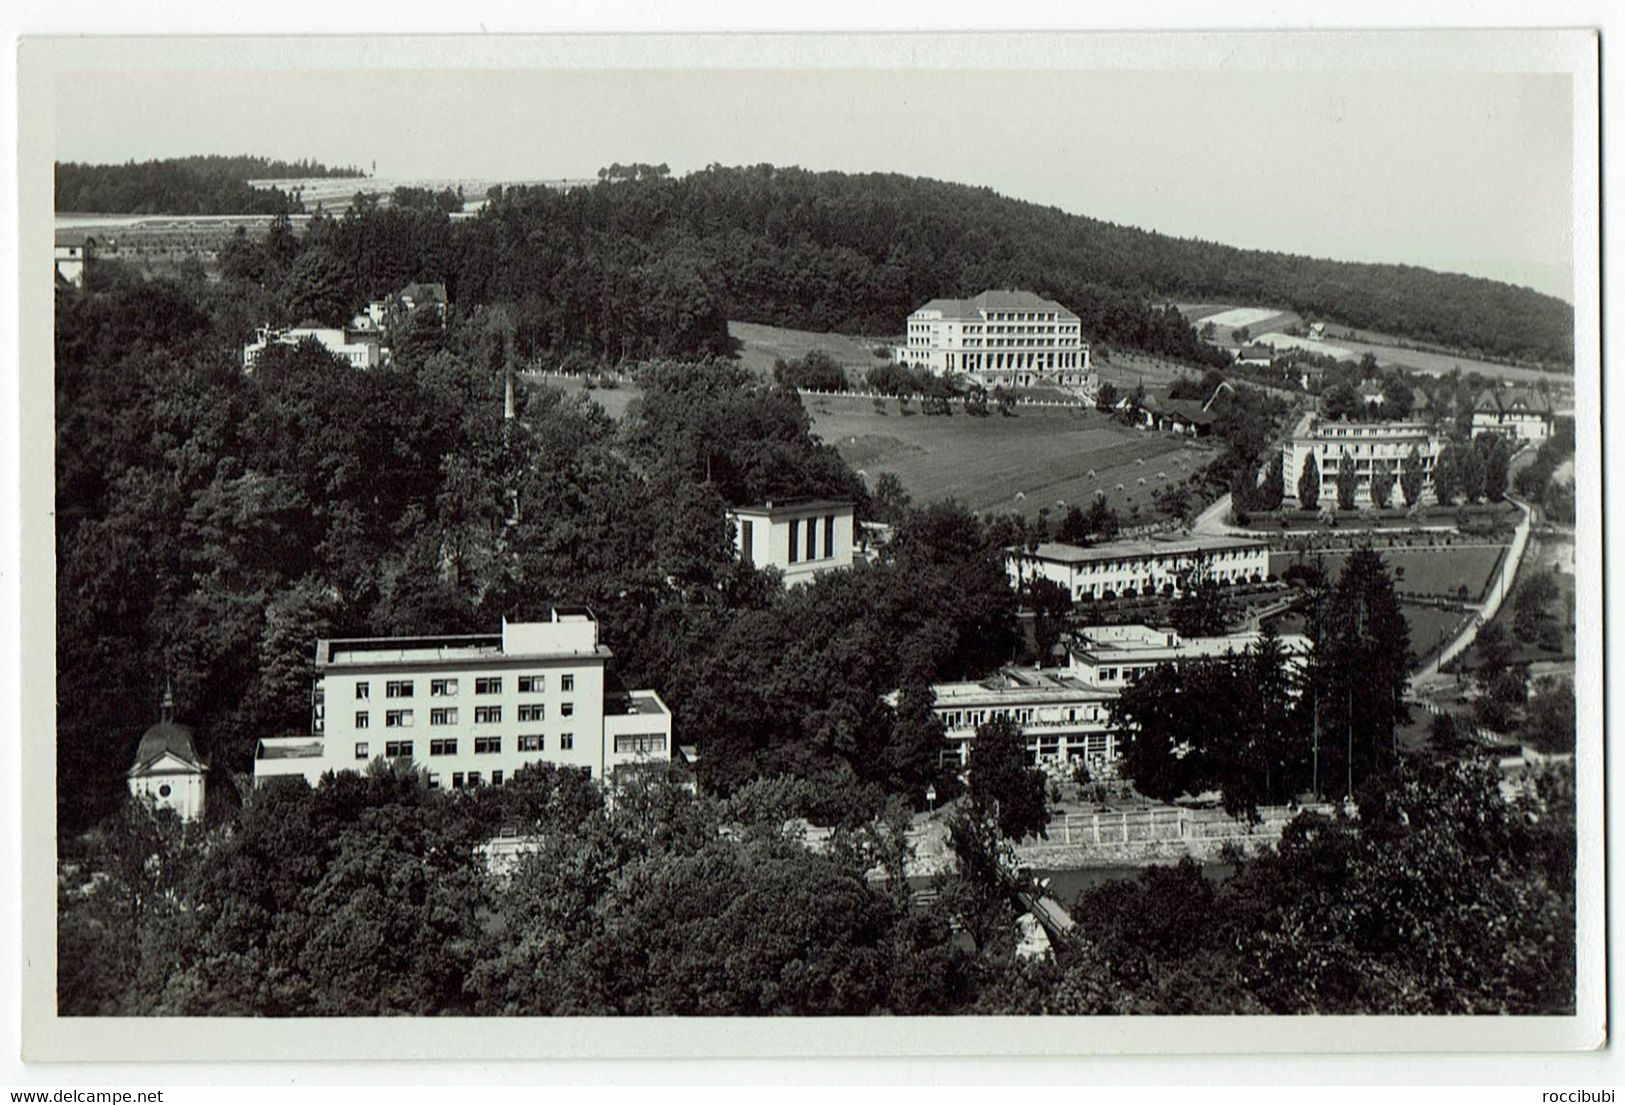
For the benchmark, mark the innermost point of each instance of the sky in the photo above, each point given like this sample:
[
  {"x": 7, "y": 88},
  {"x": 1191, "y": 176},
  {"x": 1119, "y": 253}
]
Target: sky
[{"x": 1462, "y": 172}]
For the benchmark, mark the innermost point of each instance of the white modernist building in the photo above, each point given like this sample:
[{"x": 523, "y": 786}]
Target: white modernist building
[
  {"x": 1066, "y": 713},
  {"x": 1520, "y": 414},
  {"x": 1109, "y": 657},
  {"x": 1016, "y": 339},
  {"x": 168, "y": 770},
  {"x": 1366, "y": 445},
  {"x": 799, "y": 537},
  {"x": 359, "y": 347},
  {"x": 473, "y": 709},
  {"x": 1139, "y": 567}
]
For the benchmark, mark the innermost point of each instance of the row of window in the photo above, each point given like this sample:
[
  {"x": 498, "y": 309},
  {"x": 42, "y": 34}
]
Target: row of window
[
  {"x": 446, "y": 688},
  {"x": 483, "y": 746},
  {"x": 447, "y": 715},
  {"x": 810, "y": 548}
]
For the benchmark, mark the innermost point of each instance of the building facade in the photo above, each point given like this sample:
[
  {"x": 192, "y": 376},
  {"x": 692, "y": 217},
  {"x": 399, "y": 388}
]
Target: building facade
[
  {"x": 1139, "y": 567},
  {"x": 472, "y": 710},
  {"x": 1108, "y": 658},
  {"x": 1066, "y": 714},
  {"x": 1364, "y": 445},
  {"x": 1520, "y": 414},
  {"x": 999, "y": 338},
  {"x": 168, "y": 770},
  {"x": 359, "y": 347},
  {"x": 799, "y": 537},
  {"x": 1061, "y": 717},
  {"x": 73, "y": 253}
]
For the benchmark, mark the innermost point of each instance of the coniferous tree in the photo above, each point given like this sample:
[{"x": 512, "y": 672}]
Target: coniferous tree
[{"x": 1309, "y": 484}]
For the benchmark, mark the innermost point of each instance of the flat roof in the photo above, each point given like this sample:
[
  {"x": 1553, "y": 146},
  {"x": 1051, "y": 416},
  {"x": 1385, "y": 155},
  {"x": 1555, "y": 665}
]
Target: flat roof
[
  {"x": 773, "y": 508},
  {"x": 634, "y": 702},
  {"x": 1016, "y": 687},
  {"x": 1062, "y": 553},
  {"x": 289, "y": 748}
]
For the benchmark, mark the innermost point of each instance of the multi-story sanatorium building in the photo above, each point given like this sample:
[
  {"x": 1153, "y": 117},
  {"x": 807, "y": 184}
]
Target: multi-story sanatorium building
[
  {"x": 1065, "y": 712},
  {"x": 1365, "y": 444},
  {"x": 1139, "y": 567},
  {"x": 473, "y": 709},
  {"x": 1009, "y": 338},
  {"x": 799, "y": 537},
  {"x": 1520, "y": 414},
  {"x": 359, "y": 348}
]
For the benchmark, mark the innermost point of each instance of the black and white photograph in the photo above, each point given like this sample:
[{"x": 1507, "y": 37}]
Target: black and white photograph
[{"x": 822, "y": 527}]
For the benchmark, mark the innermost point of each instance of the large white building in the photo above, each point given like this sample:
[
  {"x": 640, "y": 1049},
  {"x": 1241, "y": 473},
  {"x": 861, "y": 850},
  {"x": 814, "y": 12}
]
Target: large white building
[
  {"x": 1108, "y": 658},
  {"x": 1365, "y": 444},
  {"x": 799, "y": 537},
  {"x": 360, "y": 348},
  {"x": 1016, "y": 339},
  {"x": 472, "y": 710},
  {"x": 1139, "y": 567},
  {"x": 1520, "y": 414},
  {"x": 1065, "y": 714}
]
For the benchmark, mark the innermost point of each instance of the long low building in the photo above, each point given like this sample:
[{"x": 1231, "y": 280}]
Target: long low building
[
  {"x": 1139, "y": 567},
  {"x": 1109, "y": 657},
  {"x": 1065, "y": 713},
  {"x": 472, "y": 710},
  {"x": 360, "y": 348}
]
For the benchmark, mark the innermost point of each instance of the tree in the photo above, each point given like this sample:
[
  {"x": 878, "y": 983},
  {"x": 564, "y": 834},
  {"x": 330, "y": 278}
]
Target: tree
[
  {"x": 1382, "y": 483},
  {"x": 891, "y": 500},
  {"x": 1340, "y": 402},
  {"x": 1050, "y": 603},
  {"x": 1550, "y": 724},
  {"x": 1004, "y": 787},
  {"x": 1473, "y": 473},
  {"x": 1443, "y": 737},
  {"x": 1411, "y": 477},
  {"x": 1497, "y": 459},
  {"x": 1200, "y": 610},
  {"x": 1347, "y": 482},
  {"x": 1074, "y": 527},
  {"x": 1447, "y": 475},
  {"x": 1309, "y": 484},
  {"x": 1532, "y": 614},
  {"x": 1273, "y": 490},
  {"x": 1101, "y": 520},
  {"x": 1106, "y": 398}
]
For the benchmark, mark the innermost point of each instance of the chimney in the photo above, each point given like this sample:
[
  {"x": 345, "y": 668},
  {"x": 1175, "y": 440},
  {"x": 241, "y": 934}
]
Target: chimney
[{"x": 507, "y": 394}]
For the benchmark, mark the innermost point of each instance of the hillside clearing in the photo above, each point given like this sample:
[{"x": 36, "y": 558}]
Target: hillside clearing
[{"x": 1032, "y": 460}]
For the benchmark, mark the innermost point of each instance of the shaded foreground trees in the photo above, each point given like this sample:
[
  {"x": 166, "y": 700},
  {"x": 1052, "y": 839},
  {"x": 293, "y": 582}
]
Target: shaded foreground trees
[{"x": 369, "y": 896}]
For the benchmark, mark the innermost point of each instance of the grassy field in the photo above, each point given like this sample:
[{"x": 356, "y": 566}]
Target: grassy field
[
  {"x": 759, "y": 346},
  {"x": 1360, "y": 342},
  {"x": 1033, "y": 459},
  {"x": 1440, "y": 571},
  {"x": 1430, "y": 627}
]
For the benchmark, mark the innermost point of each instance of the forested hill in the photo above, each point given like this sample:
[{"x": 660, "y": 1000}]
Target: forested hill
[
  {"x": 211, "y": 185},
  {"x": 858, "y": 252}
]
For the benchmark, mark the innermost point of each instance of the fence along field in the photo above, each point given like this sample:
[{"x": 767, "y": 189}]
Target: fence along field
[{"x": 1021, "y": 463}]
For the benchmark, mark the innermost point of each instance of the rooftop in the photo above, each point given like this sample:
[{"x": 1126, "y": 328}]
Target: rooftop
[
  {"x": 289, "y": 748},
  {"x": 1013, "y": 686},
  {"x": 1062, "y": 553},
  {"x": 774, "y": 508},
  {"x": 634, "y": 702},
  {"x": 1164, "y": 644},
  {"x": 996, "y": 300},
  {"x": 567, "y": 631}
]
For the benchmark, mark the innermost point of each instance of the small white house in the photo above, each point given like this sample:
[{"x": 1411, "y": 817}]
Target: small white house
[
  {"x": 800, "y": 537},
  {"x": 167, "y": 768}
]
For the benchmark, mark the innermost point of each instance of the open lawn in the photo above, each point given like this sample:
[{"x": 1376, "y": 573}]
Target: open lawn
[
  {"x": 759, "y": 346},
  {"x": 1429, "y": 626},
  {"x": 614, "y": 400},
  {"x": 1441, "y": 571},
  {"x": 1021, "y": 463}
]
